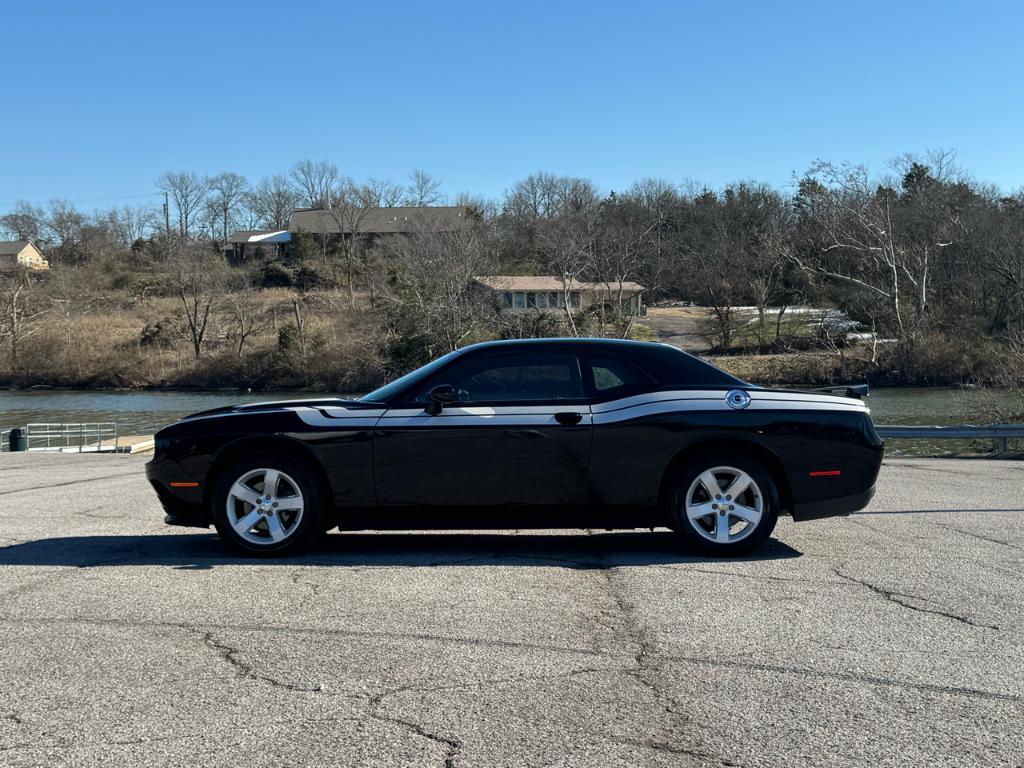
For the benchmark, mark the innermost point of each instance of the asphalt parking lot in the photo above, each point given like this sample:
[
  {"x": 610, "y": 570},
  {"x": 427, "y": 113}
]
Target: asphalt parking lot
[{"x": 890, "y": 638}]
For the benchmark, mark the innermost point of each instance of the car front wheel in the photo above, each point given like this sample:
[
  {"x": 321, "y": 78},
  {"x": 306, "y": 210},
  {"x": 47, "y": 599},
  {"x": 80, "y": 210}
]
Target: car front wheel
[
  {"x": 724, "y": 505},
  {"x": 267, "y": 504}
]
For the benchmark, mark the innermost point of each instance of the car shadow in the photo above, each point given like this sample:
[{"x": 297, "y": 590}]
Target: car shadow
[
  {"x": 961, "y": 510},
  {"x": 415, "y": 550}
]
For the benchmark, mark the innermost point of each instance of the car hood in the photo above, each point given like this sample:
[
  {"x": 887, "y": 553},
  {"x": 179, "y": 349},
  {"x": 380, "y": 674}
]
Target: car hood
[{"x": 283, "y": 405}]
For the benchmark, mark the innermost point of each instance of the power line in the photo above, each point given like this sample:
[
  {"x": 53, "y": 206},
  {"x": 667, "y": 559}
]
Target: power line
[{"x": 83, "y": 199}]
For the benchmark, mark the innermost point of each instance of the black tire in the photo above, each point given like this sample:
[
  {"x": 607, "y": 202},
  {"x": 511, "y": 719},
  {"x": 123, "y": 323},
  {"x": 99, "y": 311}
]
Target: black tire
[
  {"x": 297, "y": 482},
  {"x": 701, "y": 533}
]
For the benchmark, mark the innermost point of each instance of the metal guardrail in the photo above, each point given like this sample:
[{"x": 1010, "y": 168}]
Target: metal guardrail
[
  {"x": 1001, "y": 433},
  {"x": 76, "y": 438}
]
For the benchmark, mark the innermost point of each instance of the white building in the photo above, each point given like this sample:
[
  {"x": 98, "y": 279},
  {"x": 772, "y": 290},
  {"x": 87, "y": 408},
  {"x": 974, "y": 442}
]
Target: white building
[{"x": 552, "y": 294}]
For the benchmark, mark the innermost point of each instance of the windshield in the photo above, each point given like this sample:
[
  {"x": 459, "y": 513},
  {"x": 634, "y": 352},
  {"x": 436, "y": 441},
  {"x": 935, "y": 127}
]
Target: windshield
[{"x": 388, "y": 391}]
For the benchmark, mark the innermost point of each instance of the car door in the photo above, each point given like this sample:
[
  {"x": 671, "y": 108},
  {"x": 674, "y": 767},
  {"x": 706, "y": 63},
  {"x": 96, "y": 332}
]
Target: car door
[{"x": 519, "y": 434}]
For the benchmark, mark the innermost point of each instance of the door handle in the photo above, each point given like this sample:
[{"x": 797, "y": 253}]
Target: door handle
[{"x": 568, "y": 418}]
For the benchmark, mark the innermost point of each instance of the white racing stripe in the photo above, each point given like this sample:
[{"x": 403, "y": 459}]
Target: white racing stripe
[
  {"x": 714, "y": 395},
  {"x": 483, "y": 415},
  {"x": 489, "y": 412},
  {"x": 694, "y": 405},
  {"x": 623, "y": 409},
  {"x": 339, "y": 418}
]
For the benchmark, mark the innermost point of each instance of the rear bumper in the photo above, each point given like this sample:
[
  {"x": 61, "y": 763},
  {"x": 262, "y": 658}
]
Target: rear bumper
[{"x": 844, "y": 505}]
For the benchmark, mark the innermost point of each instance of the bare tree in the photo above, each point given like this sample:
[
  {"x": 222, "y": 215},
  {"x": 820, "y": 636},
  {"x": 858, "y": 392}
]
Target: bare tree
[
  {"x": 423, "y": 190},
  {"x": 227, "y": 192},
  {"x": 272, "y": 202},
  {"x": 20, "y": 311},
  {"x": 433, "y": 301},
  {"x": 25, "y": 222},
  {"x": 313, "y": 182},
  {"x": 866, "y": 235},
  {"x": 196, "y": 278},
  {"x": 350, "y": 206},
  {"x": 188, "y": 191},
  {"x": 383, "y": 194},
  {"x": 129, "y": 224},
  {"x": 618, "y": 259},
  {"x": 242, "y": 313},
  {"x": 71, "y": 302},
  {"x": 569, "y": 245}
]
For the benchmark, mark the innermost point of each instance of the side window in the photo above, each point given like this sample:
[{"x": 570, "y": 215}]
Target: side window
[
  {"x": 514, "y": 379},
  {"x": 613, "y": 376}
]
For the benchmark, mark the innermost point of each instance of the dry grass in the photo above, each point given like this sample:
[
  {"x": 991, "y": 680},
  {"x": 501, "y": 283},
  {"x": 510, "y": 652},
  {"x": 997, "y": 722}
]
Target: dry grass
[
  {"x": 107, "y": 346},
  {"x": 818, "y": 368}
]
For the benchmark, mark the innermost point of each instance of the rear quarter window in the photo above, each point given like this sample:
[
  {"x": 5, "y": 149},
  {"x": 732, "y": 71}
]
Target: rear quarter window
[{"x": 673, "y": 367}]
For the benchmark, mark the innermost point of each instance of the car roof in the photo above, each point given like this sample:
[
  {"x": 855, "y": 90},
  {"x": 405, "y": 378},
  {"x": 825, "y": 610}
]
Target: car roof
[{"x": 572, "y": 342}]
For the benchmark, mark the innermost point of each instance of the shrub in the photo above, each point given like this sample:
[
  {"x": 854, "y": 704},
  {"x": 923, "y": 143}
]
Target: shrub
[{"x": 274, "y": 274}]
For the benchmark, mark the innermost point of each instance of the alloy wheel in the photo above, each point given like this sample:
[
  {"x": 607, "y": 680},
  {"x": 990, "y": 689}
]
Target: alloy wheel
[
  {"x": 265, "y": 506},
  {"x": 724, "y": 504}
]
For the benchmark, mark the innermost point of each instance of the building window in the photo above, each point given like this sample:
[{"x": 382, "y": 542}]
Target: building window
[
  {"x": 531, "y": 300},
  {"x": 520, "y": 300},
  {"x": 574, "y": 299},
  {"x": 555, "y": 300},
  {"x": 542, "y": 301},
  {"x": 506, "y": 299}
]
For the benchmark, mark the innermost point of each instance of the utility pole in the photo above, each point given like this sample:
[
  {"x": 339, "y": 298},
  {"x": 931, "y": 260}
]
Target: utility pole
[{"x": 167, "y": 225}]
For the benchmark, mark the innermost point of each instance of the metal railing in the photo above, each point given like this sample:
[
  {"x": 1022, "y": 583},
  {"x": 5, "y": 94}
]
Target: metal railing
[
  {"x": 86, "y": 437},
  {"x": 1001, "y": 433}
]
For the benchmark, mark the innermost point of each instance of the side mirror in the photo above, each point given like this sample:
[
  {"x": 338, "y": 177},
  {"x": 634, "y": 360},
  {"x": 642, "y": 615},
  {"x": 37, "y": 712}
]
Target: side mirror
[{"x": 441, "y": 395}]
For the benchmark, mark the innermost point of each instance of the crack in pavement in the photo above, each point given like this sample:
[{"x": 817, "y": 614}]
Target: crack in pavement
[
  {"x": 888, "y": 534},
  {"x": 89, "y": 513},
  {"x": 635, "y": 633},
  {"x": 453, "y": 744},
  {"x": 71, "y": 570},
  {"x": 754, "y": 576},
  {"x": 845, "y": 676},
  {"x": 660, "y": 746},
  {"x": 978, "y": 536},
  {"x": 244, "y": 670},
  {"x": 351, "y": 633},
  {"x": 65, "y": 743},
  {"x": 895, "y": 597},
  {"x": 48, "y": 486}
]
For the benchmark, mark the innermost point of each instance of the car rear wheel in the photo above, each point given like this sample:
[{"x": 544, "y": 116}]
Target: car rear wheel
[
  {"x": 724, "y": 505},
  {"x": 266, "y": 504}
]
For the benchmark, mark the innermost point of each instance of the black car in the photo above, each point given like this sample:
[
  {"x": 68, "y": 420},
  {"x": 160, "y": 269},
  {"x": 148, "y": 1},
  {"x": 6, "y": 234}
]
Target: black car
[{"x": 544, "y": 433}]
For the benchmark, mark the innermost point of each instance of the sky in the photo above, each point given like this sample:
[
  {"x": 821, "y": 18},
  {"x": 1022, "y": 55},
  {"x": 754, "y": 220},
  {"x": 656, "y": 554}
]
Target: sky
[{"x": 106, "y": 96}]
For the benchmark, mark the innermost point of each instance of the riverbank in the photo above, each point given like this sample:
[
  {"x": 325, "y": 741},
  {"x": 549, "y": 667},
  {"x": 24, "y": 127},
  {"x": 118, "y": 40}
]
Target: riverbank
[{"x": 347, "y": 366}]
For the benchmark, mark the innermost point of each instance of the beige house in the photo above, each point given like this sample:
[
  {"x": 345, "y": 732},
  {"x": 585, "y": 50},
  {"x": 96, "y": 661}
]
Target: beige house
[
  {"x": 552, "y": 294},
  {"x": 21, "y": 253}
]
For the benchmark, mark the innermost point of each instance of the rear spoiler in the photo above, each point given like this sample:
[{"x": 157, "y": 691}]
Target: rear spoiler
[{"x": 849, "y": 390}]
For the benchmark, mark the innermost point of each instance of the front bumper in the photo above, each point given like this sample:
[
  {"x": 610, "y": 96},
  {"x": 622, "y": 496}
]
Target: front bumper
[
  {"x": 184, "y": 504},
  {"x": 844, "y": 505}
]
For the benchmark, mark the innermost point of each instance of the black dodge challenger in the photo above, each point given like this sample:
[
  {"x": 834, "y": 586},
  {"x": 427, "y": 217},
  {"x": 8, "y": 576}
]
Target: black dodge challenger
[{"x": 545, "y": 433}]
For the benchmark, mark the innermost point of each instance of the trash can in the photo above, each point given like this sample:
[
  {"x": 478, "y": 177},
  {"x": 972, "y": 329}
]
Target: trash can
[{"x": 18, "y": 440}]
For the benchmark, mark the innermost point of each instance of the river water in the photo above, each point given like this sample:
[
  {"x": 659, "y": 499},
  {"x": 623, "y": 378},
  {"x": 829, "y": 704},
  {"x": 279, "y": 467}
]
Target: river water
[{"x": 142, "y": 413}]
